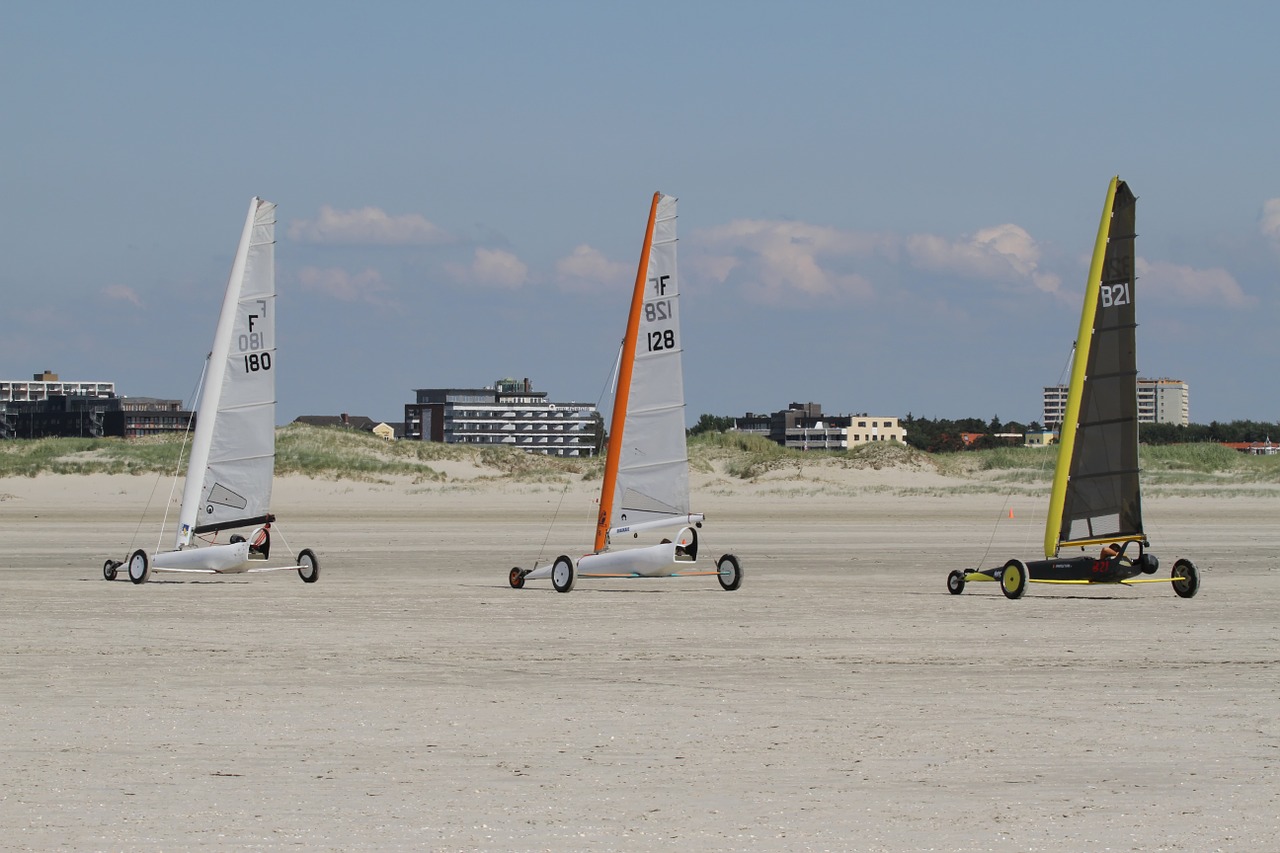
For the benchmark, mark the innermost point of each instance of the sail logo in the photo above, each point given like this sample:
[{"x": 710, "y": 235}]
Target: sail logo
[{"x": 1111, "y": 295}]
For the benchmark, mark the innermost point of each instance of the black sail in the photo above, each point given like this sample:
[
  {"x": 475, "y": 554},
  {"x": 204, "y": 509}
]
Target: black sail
[{"x": 1103, "y": 498}]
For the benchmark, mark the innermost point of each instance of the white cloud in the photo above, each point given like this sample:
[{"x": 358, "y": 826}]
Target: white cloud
[
  {"x": 1164, "y": 280},
  {"x": 120, "y": 291},
  {"x": 366, "y": 286},
  {"x": 1270, "y": 222},
  {"x": 777, "y": 260},
  {"x": 491, "y": 268},
  {"x": 586, "y": 269},
  {"x": 1002, "y": 252},
  {"x": 368, "y": 226}
]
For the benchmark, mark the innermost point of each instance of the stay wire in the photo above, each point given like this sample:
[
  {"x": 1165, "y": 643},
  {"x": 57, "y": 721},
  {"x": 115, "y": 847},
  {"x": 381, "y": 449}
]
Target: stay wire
[{"x": 608, "y": 384}]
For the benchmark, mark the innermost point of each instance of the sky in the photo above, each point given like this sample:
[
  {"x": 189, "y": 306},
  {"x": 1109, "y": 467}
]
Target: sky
[{"x": 884, "y": 208}]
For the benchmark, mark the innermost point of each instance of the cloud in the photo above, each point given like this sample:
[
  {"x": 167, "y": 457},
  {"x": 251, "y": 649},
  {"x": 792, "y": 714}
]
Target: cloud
[
  {"x": 366, "y": 286},
  {"x": 587, "y": 269},
  {"x": 1269, "y": 224},
  {"x": 1002, "y": 252},
  {"x": 491, "y": 268},
  {"x": 120, "y": 291},
  {"x": 1189, "y": 285},
  {"x": 368, "y": 226},
  {"x": 775, "y": 261}
]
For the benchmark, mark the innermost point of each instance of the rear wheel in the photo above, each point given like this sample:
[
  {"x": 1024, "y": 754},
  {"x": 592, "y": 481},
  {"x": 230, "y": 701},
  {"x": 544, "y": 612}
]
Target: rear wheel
[
  {"x": 516, "y": 578},
  {"x": 955, "y": 582},
  {"x": 562, "y": 574},
  {"x": 139, "y": 567},
  {"x": 729, "y": 572},
  {"x": 1013, "y": 579},
  {"x": 308, "y": 566},
  {"x": 1186, "y": 578}
]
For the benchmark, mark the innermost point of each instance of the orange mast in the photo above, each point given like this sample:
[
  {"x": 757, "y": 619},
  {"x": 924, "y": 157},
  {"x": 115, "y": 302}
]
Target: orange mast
[{"x": 618, "y": 419}]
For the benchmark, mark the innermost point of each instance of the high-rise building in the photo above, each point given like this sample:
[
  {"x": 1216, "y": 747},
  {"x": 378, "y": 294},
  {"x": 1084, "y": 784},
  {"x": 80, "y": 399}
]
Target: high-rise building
[{"x": 1160, "y": 401}]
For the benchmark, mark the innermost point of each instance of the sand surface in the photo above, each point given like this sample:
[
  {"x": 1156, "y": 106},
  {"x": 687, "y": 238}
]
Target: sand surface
[{"x": 841, "y": 700}]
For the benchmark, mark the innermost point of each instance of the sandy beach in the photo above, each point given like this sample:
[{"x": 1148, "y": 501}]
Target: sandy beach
[{"x": 841, "y": 700}]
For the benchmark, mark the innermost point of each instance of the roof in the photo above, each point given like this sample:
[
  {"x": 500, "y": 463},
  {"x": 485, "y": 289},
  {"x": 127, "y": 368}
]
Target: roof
[{"x": 359, "y": 422}]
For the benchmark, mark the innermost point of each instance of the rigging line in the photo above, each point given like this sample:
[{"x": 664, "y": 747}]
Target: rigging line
[
  {"x": 610, "y": 386},
  {"x": 134, "y": 539},
  {"x": 185, "y": 436}
]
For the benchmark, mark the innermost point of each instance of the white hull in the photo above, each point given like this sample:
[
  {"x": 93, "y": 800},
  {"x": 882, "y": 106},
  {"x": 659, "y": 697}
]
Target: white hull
[
  {"x": 223, "y": 559},
  {"x": 653, "y": 561}
]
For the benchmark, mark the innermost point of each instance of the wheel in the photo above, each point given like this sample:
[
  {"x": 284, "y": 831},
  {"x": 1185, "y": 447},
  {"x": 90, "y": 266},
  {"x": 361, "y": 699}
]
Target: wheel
[
  {"x": 516, "y": 578},
  {"x": 308, "y": 566},
  {"x": 729, "y": 572},
  {"x": 236, "y": 537},
  {"x": 1013, "y": 579},
  {"x": 562, "y": 574},
  {"x": 955, "y": 582},
  {"x": 1186, "y": 578},
  {"x": 109, "y": 569},
  {"x": 139, "y": 567}
]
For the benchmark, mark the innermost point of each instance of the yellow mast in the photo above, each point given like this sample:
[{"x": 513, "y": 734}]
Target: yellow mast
[
  {"x": 1084, "y": 342},
  {"x": 618, "y": 419}
]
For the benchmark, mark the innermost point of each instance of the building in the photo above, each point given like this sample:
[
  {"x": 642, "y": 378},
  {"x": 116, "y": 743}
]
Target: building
[
  {"x": 1163, "y": 401},
  {"x": 510, "y": 413},
  {"x": 385, "y": 431},
  {"x": 804, "y": 427},
  {"x": 1160, "y": 401},
  {"x": 81, "y": 416},
  {"x": 45, "y": 385}
]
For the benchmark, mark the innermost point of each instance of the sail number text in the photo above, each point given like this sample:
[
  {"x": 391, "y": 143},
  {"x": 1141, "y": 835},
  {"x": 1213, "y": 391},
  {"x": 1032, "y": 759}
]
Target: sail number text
[
  {"x": 1114, "y": 294},
  {"x": 250, "y": 342},
  {"x": 658, "y": 311}
]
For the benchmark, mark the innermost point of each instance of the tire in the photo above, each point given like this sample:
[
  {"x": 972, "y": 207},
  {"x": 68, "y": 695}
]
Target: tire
[
  {"x": 236, "y": 537},
  {"x": 1013, "y": 579},
  {"x": 109, "y": 569},
  {"x": 729, "y": 572},
  {"x": 562, "y": 574},
  {"x": 1186, "y": 579},
  {"x": 308, "y": 566},
  {"x": 139, "y": 567},
  {"x": 955, "y": 582},
  {"x": 516, "y": 578}
]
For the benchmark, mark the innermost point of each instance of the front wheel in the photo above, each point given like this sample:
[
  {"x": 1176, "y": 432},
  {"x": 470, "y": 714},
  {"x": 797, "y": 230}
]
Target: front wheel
[
  {"x": 308, "y": 566},
  {"x": 955, "y": 582},
  {"x": 109, "y": 569},
  {"x": 516, "y": 577},
  {"x": 729, "y": 572},
  {"x": 139, "y": 567},
  {"x": 1013, "y": 579},
  {"x": 1186, "y": 579},
  {"x": 562, "y": 574}
]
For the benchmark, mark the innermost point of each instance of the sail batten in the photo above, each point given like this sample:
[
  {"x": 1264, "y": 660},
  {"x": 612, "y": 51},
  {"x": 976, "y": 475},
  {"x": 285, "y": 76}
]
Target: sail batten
[{"x": 1096, "y": 493}]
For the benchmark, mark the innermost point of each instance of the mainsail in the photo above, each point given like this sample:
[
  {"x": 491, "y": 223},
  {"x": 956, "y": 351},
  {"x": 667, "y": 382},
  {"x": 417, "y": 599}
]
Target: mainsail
[
  {"x": 647, "y": 470},
  {"x": 233, "y": 451},
  {"x": 1096, "y": 496}
]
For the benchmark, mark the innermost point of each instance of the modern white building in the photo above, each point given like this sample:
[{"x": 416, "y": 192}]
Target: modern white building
[
  {"x": 509, "y": 413},
  {"x": 45, "y": 385},
  {"x": 1160, "y": 401}
]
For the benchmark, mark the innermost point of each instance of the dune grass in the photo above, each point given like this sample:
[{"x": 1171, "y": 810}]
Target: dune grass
[{"x": 328, "y": 452}]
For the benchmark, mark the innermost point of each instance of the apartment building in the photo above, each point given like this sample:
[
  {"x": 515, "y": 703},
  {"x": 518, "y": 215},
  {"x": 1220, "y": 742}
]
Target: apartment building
[{"x": 507, "y": 413}]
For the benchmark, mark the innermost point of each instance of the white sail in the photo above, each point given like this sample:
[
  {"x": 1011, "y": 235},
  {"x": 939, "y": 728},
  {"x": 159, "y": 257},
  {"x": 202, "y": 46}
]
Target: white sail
[
  {"x": 233, "y": 450},
  {"x": 653, "y": 469}
]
